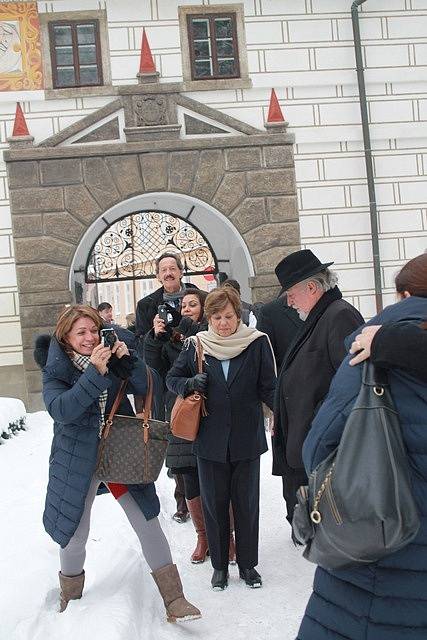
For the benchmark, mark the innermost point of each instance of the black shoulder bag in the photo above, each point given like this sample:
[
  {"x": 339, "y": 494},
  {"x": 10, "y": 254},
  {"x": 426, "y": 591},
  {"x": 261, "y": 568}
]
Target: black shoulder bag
[{"x": 358, "y": 506}]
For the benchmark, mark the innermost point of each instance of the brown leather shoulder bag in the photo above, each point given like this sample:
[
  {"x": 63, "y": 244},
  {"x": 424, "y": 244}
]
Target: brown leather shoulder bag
[{"x": 187, "y": 412}]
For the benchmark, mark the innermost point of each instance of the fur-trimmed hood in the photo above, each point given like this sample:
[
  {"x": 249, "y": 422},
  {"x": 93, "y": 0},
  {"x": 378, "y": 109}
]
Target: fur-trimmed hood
[{"x": 41, "y": 349}]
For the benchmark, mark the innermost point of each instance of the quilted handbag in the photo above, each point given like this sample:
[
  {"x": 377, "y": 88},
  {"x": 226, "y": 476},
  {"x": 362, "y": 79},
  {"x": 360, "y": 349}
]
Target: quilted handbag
[
  {"x": 358, "y": 506},
  {"x": 132, "y": 449},
  {"x": 187, "y": 412}
]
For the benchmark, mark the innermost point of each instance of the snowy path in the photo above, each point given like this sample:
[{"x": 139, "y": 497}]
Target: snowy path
[{"x": 120, "y": 600}]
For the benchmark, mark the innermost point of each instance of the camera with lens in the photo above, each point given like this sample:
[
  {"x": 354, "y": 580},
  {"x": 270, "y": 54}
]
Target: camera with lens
[
  {"x": 108, "y": 337},
  {"x": 164, "y": 314}
]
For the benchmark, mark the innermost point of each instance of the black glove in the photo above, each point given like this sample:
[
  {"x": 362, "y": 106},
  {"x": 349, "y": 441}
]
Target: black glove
[
  {"x": 122, "y": 367},
  {"x": 198, "y": 383},
  {"x": 187, "y": 327},
  {"x": 176, "y": 316}
]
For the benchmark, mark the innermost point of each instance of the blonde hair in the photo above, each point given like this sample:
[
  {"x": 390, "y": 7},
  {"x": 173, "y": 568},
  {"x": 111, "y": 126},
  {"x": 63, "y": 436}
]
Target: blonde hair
[
  {"x": 219, "y": 298},
  {"x": 69, "y": 316}
]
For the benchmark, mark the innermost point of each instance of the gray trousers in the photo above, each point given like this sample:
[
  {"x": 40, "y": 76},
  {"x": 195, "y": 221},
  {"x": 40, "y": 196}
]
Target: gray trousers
[{"x": 154, "y": 545}]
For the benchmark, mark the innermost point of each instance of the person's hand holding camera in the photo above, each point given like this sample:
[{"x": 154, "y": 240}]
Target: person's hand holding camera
[
  {"x": 100, "y": 357},
  {"x": 159, "y": 325},
  {"x": 120, "y": 349},
  {"x": 175, "y": 314},
  {"x": 199, "y": 383}
]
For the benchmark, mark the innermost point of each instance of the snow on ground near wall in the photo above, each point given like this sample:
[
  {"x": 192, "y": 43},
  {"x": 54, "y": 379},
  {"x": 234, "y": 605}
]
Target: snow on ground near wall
[
  {"x": 120, "y": 600},
  {"x": 11, "y": 409}
]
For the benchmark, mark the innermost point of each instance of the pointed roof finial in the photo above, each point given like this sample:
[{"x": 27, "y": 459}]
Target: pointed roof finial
[
  {"x": 20, "y": 126},
  {"x": 276, "y": 123},
  {"x": 147, "y": 69},
  {"x": 146, "y": 62},
  {"x": 20, "y": 134},
  {"x": 274, "y": 111}
]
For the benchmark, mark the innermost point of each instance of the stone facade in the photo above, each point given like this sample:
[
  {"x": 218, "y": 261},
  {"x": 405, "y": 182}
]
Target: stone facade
[
  {"x": 56, "y": 193},
  {"x": 304, "y": 49}
]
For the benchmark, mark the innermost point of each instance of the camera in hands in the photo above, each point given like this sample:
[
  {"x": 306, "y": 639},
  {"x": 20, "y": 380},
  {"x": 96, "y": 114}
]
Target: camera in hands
[
  {"x": 108, "y": 337},
  {"x": 164, "y": 314}
]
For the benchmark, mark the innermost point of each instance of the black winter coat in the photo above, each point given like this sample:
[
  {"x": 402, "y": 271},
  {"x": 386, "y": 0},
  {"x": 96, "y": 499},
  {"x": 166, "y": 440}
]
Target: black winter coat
[
  {"x": 306, "y": 374},
  {"x": 160, "y": 352},
  {"x": 395, "y": 345},
  {"x": 233, "y": 429},
  {"x": 281, "y": 323}
]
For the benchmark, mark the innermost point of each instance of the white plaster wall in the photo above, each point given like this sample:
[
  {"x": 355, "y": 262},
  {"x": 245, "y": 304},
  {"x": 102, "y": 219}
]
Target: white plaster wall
[{"x": 304, "y": 49}]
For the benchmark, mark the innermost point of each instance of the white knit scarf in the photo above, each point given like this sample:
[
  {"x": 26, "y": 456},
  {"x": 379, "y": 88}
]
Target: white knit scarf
[
  {"x": 228, "y": 347},
  {"x": 81, "y": 363}
]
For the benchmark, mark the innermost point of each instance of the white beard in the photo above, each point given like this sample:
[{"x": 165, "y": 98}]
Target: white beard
[{"x": 303, "y": 315}]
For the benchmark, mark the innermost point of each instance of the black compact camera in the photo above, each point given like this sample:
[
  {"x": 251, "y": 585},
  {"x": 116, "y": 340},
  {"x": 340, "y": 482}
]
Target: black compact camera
[
  {"x": 108, "y": 337},
  {"x": 164, "y": 314}
]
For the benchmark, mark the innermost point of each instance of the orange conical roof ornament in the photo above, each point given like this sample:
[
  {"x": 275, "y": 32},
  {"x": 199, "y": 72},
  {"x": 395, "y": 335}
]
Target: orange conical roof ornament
[
  {"x": 20, "y": 126},
  {"x": 274, "y": 111},
  {"x": 146, "y": 62}
]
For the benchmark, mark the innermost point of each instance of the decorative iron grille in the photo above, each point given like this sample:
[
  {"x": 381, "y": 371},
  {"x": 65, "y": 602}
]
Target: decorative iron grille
[{"x": 129, "y": 248}]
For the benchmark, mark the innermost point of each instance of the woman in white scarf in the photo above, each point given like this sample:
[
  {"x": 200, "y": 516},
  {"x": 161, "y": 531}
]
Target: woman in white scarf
[{"x": 238, "y": 376}]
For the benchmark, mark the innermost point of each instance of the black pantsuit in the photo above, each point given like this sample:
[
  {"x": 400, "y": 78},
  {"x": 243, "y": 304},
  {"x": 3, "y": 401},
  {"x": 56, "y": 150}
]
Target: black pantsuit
[
  {"x": 229, "y": 444},
  {"x": 237, "y": 482}
]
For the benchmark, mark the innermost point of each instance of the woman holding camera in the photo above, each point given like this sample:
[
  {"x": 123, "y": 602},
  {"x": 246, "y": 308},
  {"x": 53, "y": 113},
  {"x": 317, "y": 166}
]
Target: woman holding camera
[
  {"x": 238, "y": 375},
  {"x": 81, "y": 378},
  {"x": 162, "y": 347}
]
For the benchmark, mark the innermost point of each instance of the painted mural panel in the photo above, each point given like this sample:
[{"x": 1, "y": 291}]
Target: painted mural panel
[{"x": 20, "y": 51}]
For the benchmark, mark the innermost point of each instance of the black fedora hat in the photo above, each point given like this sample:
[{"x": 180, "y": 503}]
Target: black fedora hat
[{"x": 298, "y": 266}]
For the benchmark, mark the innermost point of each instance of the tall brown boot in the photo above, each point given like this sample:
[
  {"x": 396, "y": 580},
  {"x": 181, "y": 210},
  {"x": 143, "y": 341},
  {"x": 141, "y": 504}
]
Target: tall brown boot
[
  {"x": 232, "y": 544},
  {"x": 202, "y": 548},
  {"x": 169, "y": 584},
  {"x": 71, "y": 589}
]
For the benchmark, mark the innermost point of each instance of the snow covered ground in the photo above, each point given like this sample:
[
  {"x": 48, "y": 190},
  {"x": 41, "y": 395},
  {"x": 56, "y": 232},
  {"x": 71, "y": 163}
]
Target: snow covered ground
[{"x": 120, "y": 600}]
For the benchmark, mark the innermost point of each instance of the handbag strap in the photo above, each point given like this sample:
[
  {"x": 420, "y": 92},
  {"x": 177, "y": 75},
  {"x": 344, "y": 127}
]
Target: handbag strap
[
  {"x": 199, "y": 355},
  {"x": 199, "y": 363},
  {"x": 146, "y": 414}
]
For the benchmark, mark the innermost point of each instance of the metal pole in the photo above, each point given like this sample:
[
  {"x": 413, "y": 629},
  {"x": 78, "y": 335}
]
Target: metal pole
[{"x": 368, "y": 154}]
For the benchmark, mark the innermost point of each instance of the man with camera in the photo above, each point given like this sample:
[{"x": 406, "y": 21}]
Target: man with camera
[
  {"x": 169, "y": 270},
  {"x": 163, "y": 306}
]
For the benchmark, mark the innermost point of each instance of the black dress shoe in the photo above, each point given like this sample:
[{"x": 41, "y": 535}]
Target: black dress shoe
[
  {"x": 181, "y": 516},
  {"x": 251, "y": 577},
  {"x": 219, "y": 579}
]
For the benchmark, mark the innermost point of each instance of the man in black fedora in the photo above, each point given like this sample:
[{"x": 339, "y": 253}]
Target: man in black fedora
[{"x": 311, "y": 361}]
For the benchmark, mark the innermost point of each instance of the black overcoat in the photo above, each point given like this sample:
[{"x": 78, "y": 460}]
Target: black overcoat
[
  {"x": 306, "y": 374},
  {"x": 233, "y": 429},
  {"x": 281, "y": 323}
]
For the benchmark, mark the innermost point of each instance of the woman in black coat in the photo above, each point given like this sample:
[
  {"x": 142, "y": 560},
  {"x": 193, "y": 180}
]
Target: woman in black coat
[
  {"x": 162, "y": 346},
  {"x": 238, "y": 375}
]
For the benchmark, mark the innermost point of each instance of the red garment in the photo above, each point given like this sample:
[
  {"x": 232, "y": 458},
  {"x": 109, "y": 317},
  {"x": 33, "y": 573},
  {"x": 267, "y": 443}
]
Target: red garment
[{"x": 118, "y": 490}]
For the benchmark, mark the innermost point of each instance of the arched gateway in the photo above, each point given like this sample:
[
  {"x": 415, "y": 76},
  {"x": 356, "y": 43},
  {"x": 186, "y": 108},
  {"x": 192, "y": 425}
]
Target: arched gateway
[
  {"x": 150, "y": 149},
  {"x": 122, "y": 244}
]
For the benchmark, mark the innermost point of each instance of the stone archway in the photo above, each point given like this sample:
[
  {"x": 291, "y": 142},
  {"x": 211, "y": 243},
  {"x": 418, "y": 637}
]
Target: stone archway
[
  {"x": 231, "y": 252},
  {"x": 238, "y": 187}
]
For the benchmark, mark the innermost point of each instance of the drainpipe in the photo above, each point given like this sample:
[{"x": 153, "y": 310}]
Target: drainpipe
[{"x": 368, "y": 154}]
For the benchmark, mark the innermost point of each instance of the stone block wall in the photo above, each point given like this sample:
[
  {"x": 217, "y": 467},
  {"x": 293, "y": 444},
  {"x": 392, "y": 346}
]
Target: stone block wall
[
  {"x": 248, "y": 179},
  {"x": 304, "y": 49}
]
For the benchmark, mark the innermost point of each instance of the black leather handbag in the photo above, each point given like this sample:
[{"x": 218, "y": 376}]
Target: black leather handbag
[
  {"x": 358, "y": 506},
  {"x": 132, "y": 448}
]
